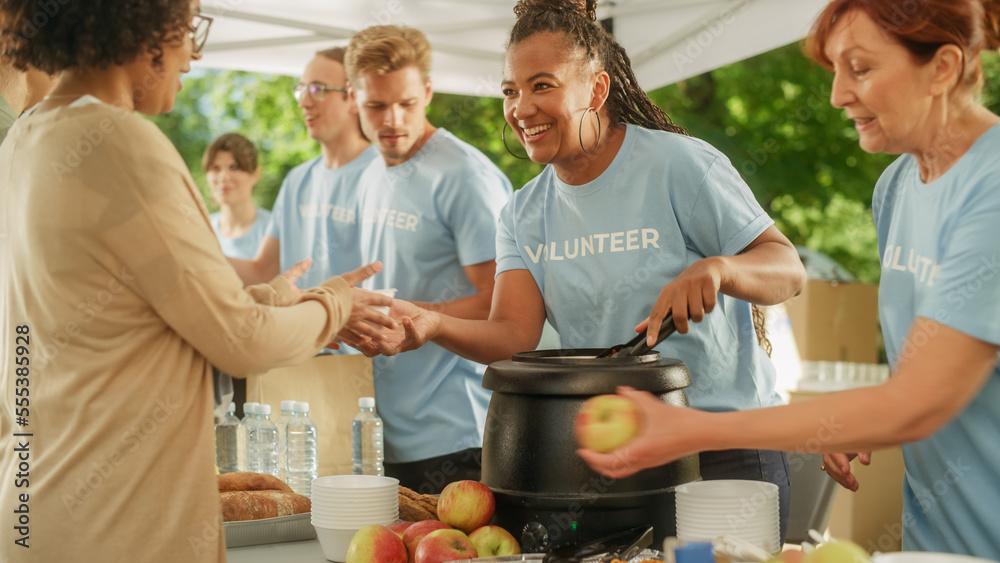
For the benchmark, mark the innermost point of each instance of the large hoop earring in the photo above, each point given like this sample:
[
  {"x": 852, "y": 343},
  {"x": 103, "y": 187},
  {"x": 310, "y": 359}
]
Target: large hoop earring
[
  {"x": 588, "y": 110},
  {"x": 503, "y": 137}
]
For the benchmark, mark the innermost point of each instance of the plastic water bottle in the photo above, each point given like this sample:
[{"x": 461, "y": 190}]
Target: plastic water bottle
[
  {"x": 366, "y": 439},
  {"x": 286, "y": 415},
  {"x": 241, "y": 435},
  {"x": 262, "y": 443},
  {"x": 226, "y": 432},
  {"x": 302, "y": 454}
]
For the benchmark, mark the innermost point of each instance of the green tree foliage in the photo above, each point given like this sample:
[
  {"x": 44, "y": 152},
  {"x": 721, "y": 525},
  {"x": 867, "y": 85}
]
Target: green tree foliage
[
  {"x": 259, "y": 107},
  {"x": 769, "y": 114}
]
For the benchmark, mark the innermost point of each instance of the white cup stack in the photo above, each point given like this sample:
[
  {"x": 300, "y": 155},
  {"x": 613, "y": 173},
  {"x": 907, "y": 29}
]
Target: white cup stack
[
  {"x": 343, "y": 504},
  {"x": 731, "y": 508}
]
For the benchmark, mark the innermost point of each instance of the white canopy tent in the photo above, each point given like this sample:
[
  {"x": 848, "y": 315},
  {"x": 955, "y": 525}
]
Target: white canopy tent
[{"x": 667, "y": 40}]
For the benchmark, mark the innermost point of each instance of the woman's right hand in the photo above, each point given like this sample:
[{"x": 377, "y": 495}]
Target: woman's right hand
[{"x": 838, "y": 467}]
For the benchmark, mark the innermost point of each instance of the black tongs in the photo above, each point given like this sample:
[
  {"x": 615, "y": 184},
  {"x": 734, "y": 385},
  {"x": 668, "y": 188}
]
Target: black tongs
[
  {"x": 637, "y": 346},
  {"x": 622, "y": 545}
]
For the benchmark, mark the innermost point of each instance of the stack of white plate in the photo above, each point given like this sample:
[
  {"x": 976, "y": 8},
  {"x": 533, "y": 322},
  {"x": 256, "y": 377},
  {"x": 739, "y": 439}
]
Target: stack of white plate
[
  {"x": 343, "y": 504},
  {"x": 747, "y": 510}
]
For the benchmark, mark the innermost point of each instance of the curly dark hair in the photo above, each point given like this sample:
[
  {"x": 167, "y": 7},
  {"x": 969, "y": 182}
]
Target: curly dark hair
[
  {"x": 54, "y": 35},
  {"x": 577, "y": 19}
]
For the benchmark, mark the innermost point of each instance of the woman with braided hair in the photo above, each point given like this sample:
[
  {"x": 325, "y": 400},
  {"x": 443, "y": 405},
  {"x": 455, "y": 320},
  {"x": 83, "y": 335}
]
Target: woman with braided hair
[{"x": 631, "y": 219}]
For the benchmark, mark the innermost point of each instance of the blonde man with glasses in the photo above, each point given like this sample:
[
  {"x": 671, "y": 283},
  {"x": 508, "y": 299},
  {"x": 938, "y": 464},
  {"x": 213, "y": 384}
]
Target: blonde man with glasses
[{"x": 315, "y": 215}]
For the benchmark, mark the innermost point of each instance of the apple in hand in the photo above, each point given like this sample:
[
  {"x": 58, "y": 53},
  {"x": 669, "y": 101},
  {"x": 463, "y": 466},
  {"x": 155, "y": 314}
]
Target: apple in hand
[
  {"x": 400, "y": 527},
  {"x": 417, "y": 532},
  {"x": 444, "y": 545},
  {"x": 466, "y": 505},
  {"x": 606, "y": 422},
  {"x": 376, "y": 544},
  {"x": 494, "y": 540}
]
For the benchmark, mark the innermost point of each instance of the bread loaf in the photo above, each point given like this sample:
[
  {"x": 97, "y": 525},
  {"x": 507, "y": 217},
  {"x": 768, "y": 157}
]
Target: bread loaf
[
  {"x": 254, "y": 505},
  {"x": 414, "y": 507},
  {"x": 247, "y": 481}
]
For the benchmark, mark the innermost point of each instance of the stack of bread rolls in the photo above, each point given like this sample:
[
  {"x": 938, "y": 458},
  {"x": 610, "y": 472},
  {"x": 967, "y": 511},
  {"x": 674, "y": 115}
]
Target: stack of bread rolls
[
  {"x": 253, "y": 496},
  {"x": 414, "y": 507}
]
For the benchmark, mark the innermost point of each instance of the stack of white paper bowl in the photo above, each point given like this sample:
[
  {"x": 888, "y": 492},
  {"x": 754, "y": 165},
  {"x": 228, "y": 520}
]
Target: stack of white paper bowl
[
  {"x": 747, "y": 510},
  {"x": 343, "y": 504}
]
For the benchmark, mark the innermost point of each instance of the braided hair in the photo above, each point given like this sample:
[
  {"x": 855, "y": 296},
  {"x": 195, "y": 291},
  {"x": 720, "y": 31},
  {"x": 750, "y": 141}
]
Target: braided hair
[
  {"x": 627, "y": 103},
  {"x": 577, "y": 19}
]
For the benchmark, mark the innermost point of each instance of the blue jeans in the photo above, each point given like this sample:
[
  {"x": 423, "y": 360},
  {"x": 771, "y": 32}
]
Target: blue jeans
[{"x": 754, "y": 465}]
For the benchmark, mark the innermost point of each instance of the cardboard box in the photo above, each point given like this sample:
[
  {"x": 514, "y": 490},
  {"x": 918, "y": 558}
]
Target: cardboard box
[
  {"x": 332, "y": 386},
  {"x": 836, "y": 322}
]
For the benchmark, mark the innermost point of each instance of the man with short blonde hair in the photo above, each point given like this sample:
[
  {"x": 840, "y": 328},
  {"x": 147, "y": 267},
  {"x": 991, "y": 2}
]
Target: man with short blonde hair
[
  {"x": 387, "y": 48},
  {"x": 428, "y": 211}
]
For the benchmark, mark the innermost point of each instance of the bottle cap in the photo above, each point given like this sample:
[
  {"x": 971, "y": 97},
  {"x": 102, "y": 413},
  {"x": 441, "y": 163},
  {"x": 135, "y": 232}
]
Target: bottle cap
[
  {"x": 301, "y": 406},
  {"x": 249, "y": 407},
  {"x": 287, "y": 405},
  {"x": 366, "y": 402},
  {"x": 232, "y": 408},
  {"x": 263, "y": 409}
]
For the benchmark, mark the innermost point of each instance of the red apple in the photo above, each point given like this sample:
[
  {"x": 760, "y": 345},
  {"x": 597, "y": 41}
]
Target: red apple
[
  {"x": 606, "y": 422},
  {"x": 399, "y": 528},
  {"x": 444, "y": 545},
  {"x": 466, "y": 505},
  {"x": 376, "y": 544},
  {"x": 494, "y": 540},
  {"x": 417, "y": 532}
]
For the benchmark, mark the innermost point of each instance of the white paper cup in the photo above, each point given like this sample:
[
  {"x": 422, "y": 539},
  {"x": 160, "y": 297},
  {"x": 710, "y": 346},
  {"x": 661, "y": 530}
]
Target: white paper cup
[{"x": 388, "y": 293}]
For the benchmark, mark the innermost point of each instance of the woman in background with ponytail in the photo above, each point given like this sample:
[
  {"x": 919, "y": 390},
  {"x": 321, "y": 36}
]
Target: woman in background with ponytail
[
  {"x": 908, "y": 75},
  {"x": 630, "y": 220}
]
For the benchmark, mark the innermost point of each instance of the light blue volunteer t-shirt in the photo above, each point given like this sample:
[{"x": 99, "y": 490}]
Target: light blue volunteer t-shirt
[
  {"x": 315, "y": 216},
  {"x": 425, "y": 220},
  {"x": 601, "y": 252},
  {"x": 940, "y": 249},
  {"x": 245, "y": 247}
]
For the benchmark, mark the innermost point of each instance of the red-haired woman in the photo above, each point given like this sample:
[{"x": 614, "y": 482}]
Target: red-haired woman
[{"x": 907, "y": 73}]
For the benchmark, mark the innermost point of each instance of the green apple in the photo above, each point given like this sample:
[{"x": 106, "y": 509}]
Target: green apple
[
  {"x": 494, "y": 540},
  {"x": 606, "y": 423},
  {"x": 838, "y": 551},
  {"x": 444, "y": 545},
  {"x": 376, "y": 544},
  {"x": 466, "y": 505}
]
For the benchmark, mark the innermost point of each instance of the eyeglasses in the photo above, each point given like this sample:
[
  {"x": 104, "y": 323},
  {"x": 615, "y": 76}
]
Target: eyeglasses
[
  {"x": 199, "y": 31},
  {"x": 317, "y": 91}
]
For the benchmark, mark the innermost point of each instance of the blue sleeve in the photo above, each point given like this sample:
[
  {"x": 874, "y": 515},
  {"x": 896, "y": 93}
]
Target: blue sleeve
[
  {"x": 471, "y": 209},
  {"x": 508, "y": 256},
  {"x": 965, "y": 293},
  {"x": 724, "y": 217},
  {"x": 278, "y": 211}
]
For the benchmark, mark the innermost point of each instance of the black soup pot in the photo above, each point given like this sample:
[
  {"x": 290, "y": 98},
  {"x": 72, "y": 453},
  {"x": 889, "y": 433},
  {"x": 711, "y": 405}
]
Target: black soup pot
[{"x": 546, "y": 495}]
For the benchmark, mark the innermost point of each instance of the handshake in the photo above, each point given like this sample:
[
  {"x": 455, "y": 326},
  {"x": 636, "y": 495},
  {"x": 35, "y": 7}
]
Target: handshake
[{"x": 379, "y": 324}]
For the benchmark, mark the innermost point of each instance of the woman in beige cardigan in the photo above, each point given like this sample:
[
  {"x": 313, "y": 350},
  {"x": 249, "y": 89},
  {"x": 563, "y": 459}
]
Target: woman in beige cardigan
[{"x": 117, "y": 300}]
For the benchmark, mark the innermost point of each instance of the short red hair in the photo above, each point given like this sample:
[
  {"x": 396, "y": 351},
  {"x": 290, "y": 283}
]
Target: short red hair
[{"x": 921, "y": 26}]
